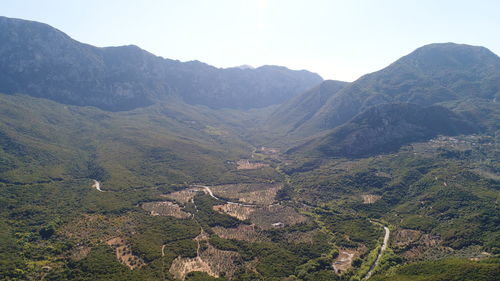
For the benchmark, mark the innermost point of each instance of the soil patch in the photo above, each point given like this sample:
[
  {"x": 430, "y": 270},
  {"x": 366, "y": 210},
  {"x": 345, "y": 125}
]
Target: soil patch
[
  {"x": 238, "y": 211},
  {"x": 265, "y": 217},
  {"x": 124, "y": 254},
  {"x": 245, "y": 164},
  {"x": 165, "y": 208},
  {"x": 414, "y": 245},
  {"x": 243, "y": 232},
  {"x": 276, "y": 216},
  {"x": 184, "y": 196},
  {"x": 343, "y": 262},
  {"x": 93, "y": 229},
  {"x": 370, "y": 199},
  {"x": 253, "y": 193},
  {"x": 209, "y": 259}
]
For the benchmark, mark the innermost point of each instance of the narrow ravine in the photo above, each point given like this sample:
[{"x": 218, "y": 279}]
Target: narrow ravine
[{"x": 380, "y": 253}]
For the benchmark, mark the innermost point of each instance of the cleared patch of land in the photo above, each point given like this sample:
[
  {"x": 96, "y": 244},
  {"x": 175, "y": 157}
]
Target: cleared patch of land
[
  {"x": 268, "y": 150},
  {"x": 238, "y": 211},
  {"x": 209, "y": 259},
  {"x": 276, "y": 216},
  {"x": 298, "y": 237},
  {"x": 343, "y": 262},
  {"x": 404, "y": 237},
  {"x": 184, "y": 196},
  {"x": 243, "y": 232},
  {"x": 97, "y": 228},
  {"x": 245, "y": 164},
  {"x": 182, "y": 266},
  {"x": 370, "y": 198},
  {"x": 124, "y": 254},
  {"x": 414, "y": 244},
  {"x": 264, "y": 217},
  {"x": 90, "y": 230},
  {"x": 249, "y": 193},
  {"x": 165, "y": 208}
]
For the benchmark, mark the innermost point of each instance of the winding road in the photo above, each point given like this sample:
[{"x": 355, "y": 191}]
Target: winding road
[
  {"x": 382, "y": 249},
  {"x": 209, "y": 191}
]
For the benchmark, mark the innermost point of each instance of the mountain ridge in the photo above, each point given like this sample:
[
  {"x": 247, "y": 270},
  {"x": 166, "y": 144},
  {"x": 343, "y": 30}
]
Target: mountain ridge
[
  {"x": 411, "y": 80},
  {"x": 42, "y": 61}
]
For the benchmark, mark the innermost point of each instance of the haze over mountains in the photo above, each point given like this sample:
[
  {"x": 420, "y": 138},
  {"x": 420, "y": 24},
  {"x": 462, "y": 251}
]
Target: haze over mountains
[
  {"x": 244, "y": 173},
  {"x": 437, "y": 73},
  {"x": 41, "y": 61}
]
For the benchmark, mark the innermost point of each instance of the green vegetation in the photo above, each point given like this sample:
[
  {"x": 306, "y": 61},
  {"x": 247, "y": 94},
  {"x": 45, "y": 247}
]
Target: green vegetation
[
  {"x": 439, "y": 197},
  {"x": 448, "y": 269}
]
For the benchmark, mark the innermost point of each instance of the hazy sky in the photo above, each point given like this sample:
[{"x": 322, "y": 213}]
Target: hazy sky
[{"x": 338, "y": 39}]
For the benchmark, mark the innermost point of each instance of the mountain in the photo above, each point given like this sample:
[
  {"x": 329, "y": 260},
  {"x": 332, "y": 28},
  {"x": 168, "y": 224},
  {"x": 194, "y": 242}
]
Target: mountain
[
  {"x": 385, "y": 128},
  {"x": 432, "y": 74},
  {"x": 42, "y": 140},
  {"x": 165, "y": 177},
  {"x": 41, "y": 61}
]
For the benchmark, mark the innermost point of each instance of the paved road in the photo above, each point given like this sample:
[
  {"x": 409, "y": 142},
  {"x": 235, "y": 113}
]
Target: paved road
[{"x": 382, "y": 249}]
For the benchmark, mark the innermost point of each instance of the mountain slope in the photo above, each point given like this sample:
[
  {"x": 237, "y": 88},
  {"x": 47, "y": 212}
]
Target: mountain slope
[
  {"x": 185, "y": 193},
  {"x": 432, "y": 74},
  {"x": 38, "y": 60},
  {"x": 385, "y": 128},
  {"x": 41, "y": 140}
]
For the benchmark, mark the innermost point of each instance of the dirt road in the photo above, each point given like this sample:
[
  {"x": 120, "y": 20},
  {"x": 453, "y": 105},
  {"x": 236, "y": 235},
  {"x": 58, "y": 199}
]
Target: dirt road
[
  {"x": 97, "y": 185},
  {"x": 209, "y": 191}
]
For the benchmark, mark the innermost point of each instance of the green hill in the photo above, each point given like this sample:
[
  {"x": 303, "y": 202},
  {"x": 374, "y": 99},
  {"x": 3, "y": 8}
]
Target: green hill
[
  {"x": 431, "y": 74},
  {"x": 385, "y": 128}
]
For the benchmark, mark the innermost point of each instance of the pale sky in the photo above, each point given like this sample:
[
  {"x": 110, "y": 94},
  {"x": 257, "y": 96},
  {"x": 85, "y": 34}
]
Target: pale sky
[{"x": 339, "y": 40}]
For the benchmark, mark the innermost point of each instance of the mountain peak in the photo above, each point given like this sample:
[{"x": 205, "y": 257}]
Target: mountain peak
[
  {"x": 438, "y": 56},
  {"x": 432, "y": 74}
]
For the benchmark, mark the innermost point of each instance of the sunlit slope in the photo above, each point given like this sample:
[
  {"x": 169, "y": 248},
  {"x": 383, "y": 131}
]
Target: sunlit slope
[
  {"x": 43, "y": 140},
  {"x": 432, "y": 74}
]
